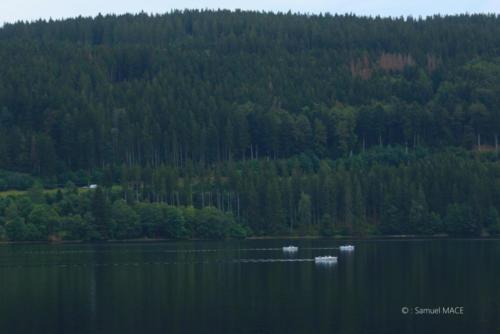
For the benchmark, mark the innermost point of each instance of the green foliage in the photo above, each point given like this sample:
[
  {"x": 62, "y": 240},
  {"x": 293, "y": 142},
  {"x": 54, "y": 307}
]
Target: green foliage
[
  {"x": 318, "y": 126},
  {"x": 345, "y": 123},
  {"x": 3, "y": 233},
  {"x": 24, "y": 206},
  {"x": 33, "y": 232},
  {"x": 96, "y": 92},
  {"x": 210, "y": 225},
  {"x": 393, "y": 220},
  {"x": 238, "y": 231},
  {"x": 11, "y": 212},
  {"x": 304, "y": 211},
  {"x": 13, "y": 180},
  {"x": 125, "y": 221},
  {"x": 327, "y": 226},
  {"x": 419, "y": 217},
  {"x": 492, "y": 223},
  {"x": 190, "y": 217},
  {"x": 100, "y": 210},
  {"x": 151, "y": 218},
  {"x": 77, "y": 228},
  {"x": 436, "y": 224},
  {"x": 16, "y": 230},
  {"x": 213, "y": 224},
  {"x": 44, "y": 218},
  {"x": 35, "y": 193},
  {"x": 449, "y": 192},
  {"x": 174, "y": 223},
  {"x": 461, "y": 221}
]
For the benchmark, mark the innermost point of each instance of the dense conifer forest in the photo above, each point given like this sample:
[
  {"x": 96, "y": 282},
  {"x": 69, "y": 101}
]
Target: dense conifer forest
[{"x": 217, "y": 124}]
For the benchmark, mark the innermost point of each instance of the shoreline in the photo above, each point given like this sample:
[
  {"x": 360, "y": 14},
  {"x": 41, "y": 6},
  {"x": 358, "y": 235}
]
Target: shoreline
[{"x": 308, "y": 237}]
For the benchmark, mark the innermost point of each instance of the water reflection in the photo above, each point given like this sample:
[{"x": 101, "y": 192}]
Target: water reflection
[{"x": 249, "y": 287}]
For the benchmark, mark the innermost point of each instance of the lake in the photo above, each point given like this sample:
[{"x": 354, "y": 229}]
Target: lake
[{"x": 236, "y": 287}]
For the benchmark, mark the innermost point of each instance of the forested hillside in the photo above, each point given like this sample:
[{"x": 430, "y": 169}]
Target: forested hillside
[{"x": 286, "y": 123}]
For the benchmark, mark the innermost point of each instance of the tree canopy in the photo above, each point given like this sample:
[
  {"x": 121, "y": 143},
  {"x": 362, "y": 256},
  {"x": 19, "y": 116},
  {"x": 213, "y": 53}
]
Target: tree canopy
[{"x": 212, "y": 124}]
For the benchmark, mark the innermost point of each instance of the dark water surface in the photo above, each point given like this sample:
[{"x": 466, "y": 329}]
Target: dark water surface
[{"x": 213, "y": 287}]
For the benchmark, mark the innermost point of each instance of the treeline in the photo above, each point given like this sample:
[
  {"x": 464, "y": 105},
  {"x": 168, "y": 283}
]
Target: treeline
[
  {"x": 205, "y": 87},
  {"x": 384, "y": 191},
  {"x": 97, "y": 215},
  {"x": 216, "y": 124}
]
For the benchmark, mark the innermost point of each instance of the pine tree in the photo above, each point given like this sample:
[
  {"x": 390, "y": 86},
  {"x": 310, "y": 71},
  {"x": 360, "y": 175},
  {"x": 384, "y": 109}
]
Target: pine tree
[{"x": 304, "y": 212}]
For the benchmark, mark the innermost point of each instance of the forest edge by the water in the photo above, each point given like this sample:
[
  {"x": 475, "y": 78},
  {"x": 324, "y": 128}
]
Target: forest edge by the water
[
  {"x": 221, "y": 124},
  {"x": 287, "y": 238},
  {"x": 383, "y": 192}
]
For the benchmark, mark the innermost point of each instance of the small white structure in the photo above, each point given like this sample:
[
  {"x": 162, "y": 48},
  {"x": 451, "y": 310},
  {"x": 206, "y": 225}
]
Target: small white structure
[
  {"x": 347, "y": 248},
  {"x": 290, "y": 249},
  {"x": 93, "y": 186},
  {"x": 325, "y": 259}
]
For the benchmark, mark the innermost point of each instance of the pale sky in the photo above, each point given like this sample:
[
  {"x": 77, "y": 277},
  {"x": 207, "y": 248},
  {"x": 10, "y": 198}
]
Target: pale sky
[{"x": 14, "y": 10}]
